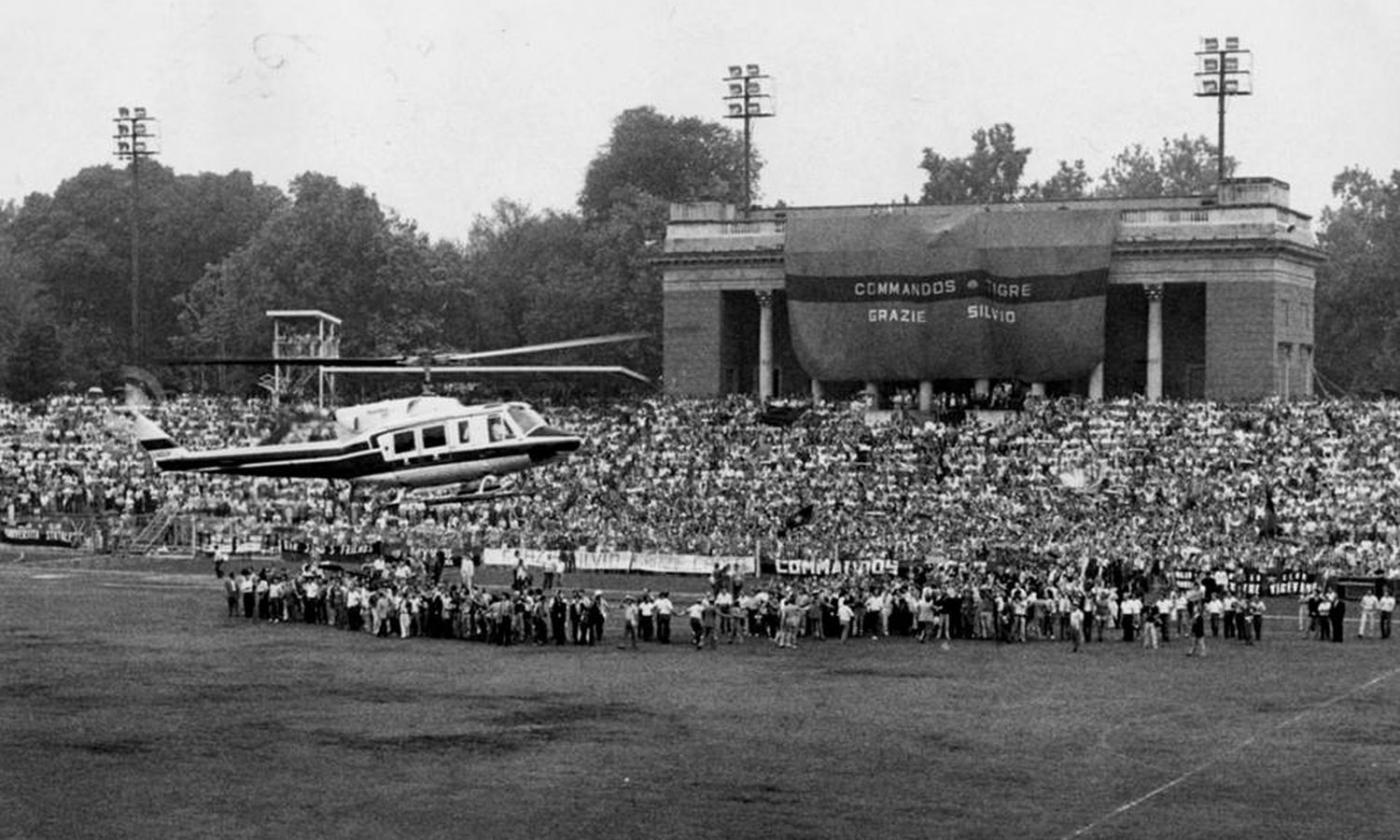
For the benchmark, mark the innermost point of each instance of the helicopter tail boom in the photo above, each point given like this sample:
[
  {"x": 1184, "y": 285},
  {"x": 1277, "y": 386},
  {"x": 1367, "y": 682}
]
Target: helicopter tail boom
[{"x": 153, "y": 439}]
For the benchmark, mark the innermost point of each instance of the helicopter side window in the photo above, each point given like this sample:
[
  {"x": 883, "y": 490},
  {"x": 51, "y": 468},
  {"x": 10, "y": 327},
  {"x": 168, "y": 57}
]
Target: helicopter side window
[
  {"x": 403, "y": 443},
  {"x": 497, "y": 429},
  {"x": 464, "y": 432},
  {"x": 527, "y": 419},
  {"x": 434, "y": 437}
]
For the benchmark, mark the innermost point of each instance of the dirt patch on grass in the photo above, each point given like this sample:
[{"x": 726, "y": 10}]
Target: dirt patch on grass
[{"x": 115, "y": 746}]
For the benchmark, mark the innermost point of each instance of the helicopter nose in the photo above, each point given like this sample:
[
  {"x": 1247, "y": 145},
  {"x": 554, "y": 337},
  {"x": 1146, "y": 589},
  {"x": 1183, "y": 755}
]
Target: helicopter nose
[{"x": 554, "y": 442}]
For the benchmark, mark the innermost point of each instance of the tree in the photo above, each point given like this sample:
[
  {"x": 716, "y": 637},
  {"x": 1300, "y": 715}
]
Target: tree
[
  {"x": 77, "y": 245},
  {"x": 194, "y": 221},
  {"x": 1358, "y": 298},
  {"x": 334, "y": 249},
  {"x": 660, "y": 157},
  {"x": 20, "y": 302},
  {"x": 1181, "y": 166},
  {"x": 1069, "y": 181},
  {"x": 544, "y": 277},
  {"x": 503, "y": 259},
  {"x": 991, "y": 173},
  {"x": 34, "y": 366}
]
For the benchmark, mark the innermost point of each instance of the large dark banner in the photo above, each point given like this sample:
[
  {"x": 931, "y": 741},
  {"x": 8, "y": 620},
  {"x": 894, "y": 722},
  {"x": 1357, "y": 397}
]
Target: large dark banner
[
  {"x": 949, "y": 293},
  {"x": 56, "y": 536}
]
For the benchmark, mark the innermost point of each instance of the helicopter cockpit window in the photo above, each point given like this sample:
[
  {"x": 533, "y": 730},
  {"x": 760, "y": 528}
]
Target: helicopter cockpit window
[
  {"x": 527, "y": 419},
  {"x": 403, "y": 443},
  {"x": 434, "y": 437},
  {"x": 496, "y": 428}
]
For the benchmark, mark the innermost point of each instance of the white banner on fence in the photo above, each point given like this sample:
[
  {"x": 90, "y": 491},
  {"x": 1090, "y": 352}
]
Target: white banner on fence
[
  {"x": 233, "y": 548},
  {"x": 533, "y": 557},
  {"x": 673, "y": 564},
  {"x": 621, "y": 561},
  {"x": 690, "y": 564},
  {"x": 602, "y": 561}
]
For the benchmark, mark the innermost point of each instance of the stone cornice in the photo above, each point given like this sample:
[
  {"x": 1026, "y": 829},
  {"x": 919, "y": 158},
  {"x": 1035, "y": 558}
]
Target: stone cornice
[
  {"x": 1261, "y": 246},
  {"x": 764, "y": 257}
]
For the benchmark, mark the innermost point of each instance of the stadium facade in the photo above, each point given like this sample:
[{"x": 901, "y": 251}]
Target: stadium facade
[{"x": 1200, "y": 297}]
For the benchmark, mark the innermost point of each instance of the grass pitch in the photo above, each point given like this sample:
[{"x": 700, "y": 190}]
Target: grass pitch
[{"x": 130, "y": 707}]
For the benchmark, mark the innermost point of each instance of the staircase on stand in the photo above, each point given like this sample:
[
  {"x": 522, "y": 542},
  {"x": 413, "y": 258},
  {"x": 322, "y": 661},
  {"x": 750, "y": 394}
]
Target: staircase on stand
[{"x": 154, "y": 532}]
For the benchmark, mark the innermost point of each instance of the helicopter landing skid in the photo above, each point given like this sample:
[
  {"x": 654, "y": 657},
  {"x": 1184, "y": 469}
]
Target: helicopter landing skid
[{"x": 483, "y": 489}]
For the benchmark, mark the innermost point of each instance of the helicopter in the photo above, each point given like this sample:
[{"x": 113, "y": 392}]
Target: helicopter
[{"x": 434, "y": 449}]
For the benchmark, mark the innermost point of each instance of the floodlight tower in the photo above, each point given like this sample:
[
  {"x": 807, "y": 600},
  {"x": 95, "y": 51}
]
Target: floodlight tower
[
  {"x": 749, "y": 99},
  {"x": 135, "y": 141},
  {"x": 1223, "y": 69}
]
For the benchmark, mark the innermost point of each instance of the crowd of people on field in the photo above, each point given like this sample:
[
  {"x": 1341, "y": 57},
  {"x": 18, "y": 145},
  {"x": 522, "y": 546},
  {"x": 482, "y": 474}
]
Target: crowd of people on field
[
  {"x": 417, "y": 596},
  {"x": 401, "y": 598}
]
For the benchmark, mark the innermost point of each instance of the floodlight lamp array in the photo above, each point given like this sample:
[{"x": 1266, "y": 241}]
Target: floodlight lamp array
[
  {"x": 1223, "y": 68},
  {"x": 748, "y": 92},
  {"x": 133, "y": 133}
]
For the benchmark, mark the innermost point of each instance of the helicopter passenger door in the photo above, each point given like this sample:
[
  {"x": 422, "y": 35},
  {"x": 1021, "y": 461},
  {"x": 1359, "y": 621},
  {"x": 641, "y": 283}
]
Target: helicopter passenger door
[
  {"x": 471, "y": 432},
  {"x": 398, "y": 447},
  {"x": 433, "y": 443}
]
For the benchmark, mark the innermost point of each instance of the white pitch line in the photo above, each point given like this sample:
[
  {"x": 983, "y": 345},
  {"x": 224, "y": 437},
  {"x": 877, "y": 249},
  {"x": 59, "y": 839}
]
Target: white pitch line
[{"x": 1128, "y": 806}]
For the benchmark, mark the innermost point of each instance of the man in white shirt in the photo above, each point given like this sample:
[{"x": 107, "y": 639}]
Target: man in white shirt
[
  {"x": 1215, "y": 607},
  {"x": 247, "y": 589},
  {"x": 664, "y": 608},
  {"x": 1369, "y": 605},
  {"x": 874, "y": 607},
  {"x": 696, "y": 613},
  {"x": 845, "y": 615},
  {"x": 353, "y": 605},
  {"x": 468, "y": 572},
  {"x": 646, "y": 617},
  {"x": 1129, "y": 611}
]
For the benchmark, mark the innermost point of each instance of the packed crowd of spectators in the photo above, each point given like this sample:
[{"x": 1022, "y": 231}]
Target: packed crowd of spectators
[
  {"x": 1059, "y": 486},
  {"x": 1061, "y": 483},
  {"x": 73, "y": 458}
]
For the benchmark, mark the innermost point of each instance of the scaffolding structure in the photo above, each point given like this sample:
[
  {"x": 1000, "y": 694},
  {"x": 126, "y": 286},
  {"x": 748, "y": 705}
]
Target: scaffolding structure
[{"x": 303, "y": 334}]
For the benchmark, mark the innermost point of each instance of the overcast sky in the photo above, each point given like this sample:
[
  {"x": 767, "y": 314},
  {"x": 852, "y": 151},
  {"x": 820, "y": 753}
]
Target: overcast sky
[{"x": 441, "y": 108}]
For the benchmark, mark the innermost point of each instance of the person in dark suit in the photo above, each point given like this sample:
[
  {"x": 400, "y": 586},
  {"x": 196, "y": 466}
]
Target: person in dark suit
[
  {"x": 558, "y": 617},
  {"x": 1338, "y": 614}
]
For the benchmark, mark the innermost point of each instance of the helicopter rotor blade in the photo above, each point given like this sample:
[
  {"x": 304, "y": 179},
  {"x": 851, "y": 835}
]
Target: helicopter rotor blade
[
  {"x": 290, "y": 361},
  {"x": 413, "y": 361},
  {"x": 473, "y": 370},
  {"x": 615, "y": 338}
]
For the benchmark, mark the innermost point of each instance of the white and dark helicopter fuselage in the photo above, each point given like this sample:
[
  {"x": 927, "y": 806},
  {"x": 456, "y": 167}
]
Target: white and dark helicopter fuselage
[{"x": 412, "y": 444}]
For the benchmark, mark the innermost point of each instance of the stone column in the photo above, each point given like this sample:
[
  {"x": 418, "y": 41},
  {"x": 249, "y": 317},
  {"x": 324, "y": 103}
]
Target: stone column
[
  {"x": 926, "y": 396},
  {"x": 818, "y": 392},
  {"x": 1154, "y": 341},
  {"x": 765, "y": 346},
  {"x": 1096, "y": 383}
]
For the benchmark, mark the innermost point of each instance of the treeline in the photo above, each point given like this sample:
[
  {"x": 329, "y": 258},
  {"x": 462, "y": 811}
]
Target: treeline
[
  {"x": 217, "y": 251},
  {"x": 992, "y": 172}
]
